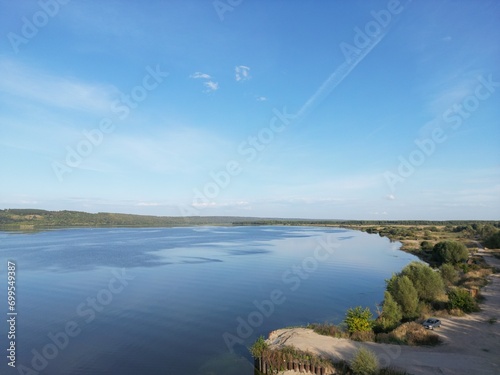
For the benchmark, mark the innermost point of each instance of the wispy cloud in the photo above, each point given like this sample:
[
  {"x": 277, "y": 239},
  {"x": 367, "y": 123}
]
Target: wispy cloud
[
  {"x": 230, "y": 204},
  {"x": 148, "y": 204},
  {"x": 261, "y": 98},
  {"x": 44, "y": 88},
  {"x": 197, "y": 75},
  {"x": 242, "y": 73},
  {"x": 211, "y": 86},
  {"x": 168, "y": 151}
]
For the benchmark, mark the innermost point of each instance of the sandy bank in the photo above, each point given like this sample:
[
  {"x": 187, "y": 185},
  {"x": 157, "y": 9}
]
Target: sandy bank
[{"x": 471, "y": 345}]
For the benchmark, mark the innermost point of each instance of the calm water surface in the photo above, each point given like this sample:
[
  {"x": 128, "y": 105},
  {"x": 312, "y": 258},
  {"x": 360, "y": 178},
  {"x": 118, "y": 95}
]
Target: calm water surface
[{"x": 172, "y": 300}]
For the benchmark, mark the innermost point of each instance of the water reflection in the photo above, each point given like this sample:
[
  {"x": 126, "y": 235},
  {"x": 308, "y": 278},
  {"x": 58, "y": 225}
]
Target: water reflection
[{"x": 85, "y": 249}]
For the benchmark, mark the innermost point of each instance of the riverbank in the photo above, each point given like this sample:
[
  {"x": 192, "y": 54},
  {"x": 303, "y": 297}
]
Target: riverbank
[{"x": 470, "y": 344}]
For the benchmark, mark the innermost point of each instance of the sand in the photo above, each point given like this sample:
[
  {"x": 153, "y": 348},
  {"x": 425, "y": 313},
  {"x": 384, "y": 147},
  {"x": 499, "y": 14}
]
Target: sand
[{"x": 471, "y": 344}]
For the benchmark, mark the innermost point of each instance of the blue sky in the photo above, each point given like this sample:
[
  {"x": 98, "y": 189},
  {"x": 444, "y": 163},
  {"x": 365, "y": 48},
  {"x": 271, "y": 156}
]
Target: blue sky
[{"x": 312, "y": 109}]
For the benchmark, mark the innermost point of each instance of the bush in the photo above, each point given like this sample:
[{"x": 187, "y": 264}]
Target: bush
[
  {"x": 493, "y": 242},
  {"x": 426, "y": 281},
  {"x": 449, "y": 273},
  {"x": 426, "y": 246},
  {"x": 450, "y": 252},
  {"x": 461, "y": 299},
  {"x": 359, "y": 320},
  {"x": 259, "y": 347},
  {"x": 365, "y": 362},
  {"x": 405, "y": 294}
]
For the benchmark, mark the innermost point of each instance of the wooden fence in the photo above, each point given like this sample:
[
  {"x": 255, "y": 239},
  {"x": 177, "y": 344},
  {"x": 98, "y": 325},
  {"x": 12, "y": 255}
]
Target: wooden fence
[{"x": 266, "y": 368}]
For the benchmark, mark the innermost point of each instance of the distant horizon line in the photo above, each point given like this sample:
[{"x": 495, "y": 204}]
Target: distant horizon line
[{"x": 253, "y": 217}]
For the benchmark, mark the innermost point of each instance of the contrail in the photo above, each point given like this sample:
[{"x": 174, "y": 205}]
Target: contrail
[{"x": 337, "y": 77}]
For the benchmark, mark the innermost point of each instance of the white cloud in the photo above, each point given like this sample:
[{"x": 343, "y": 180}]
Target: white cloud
[
  {"x": 147, "y": 204},
  {"x": 261, "y": 98},
  {"x": 211, "y": 86},
  {"x": 242, "y": 73},
  {"x": 391, "y": 197},
  {"x": 231, "y": 204},
  {"x": 197, "y": 75}
]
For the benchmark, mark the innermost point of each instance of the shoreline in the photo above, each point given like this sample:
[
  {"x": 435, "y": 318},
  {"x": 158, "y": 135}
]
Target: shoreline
[{"x": 470, "y": 343}]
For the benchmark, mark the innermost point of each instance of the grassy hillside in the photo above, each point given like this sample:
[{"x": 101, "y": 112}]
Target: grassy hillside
[{"x": 40, "y": 219}]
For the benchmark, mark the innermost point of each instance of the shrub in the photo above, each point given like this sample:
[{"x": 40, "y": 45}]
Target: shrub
[
  {"x": 405, "y": 294},
  {"x": 450, "y": 252},
  {"x": 493, "y": 242},
  {"x": 426, "y": 281},
  {"x": 391, "y": 313},
  {"x": 449, "y": 273},
  {"x": 365, "y": 362},
  {"x": 426, "y": 246},
  {"x": 259, "y": 347},
  {"x": 461, "y": 299},
  {"x": 359, "y": 320}
]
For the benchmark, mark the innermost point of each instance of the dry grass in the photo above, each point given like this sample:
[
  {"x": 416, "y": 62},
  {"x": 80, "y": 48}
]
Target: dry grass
[
  {"x": 363, "y": 336},
  {"x": 327, "y": 329},
  {"x": 456, "y": 312},
  {"x": 476, "y": 278},
  {"x": 412, "y": 333}
]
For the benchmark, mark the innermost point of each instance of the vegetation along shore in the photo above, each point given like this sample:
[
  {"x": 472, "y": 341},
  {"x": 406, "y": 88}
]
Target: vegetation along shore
[{"x": 458, "y": 284}]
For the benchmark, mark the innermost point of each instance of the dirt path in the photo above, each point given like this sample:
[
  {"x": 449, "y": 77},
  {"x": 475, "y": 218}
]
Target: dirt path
[{"x": 471, "y": 344}]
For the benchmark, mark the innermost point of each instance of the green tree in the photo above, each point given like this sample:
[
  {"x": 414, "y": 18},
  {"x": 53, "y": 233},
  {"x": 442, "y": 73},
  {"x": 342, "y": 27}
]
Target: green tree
[
  {"x": 461, "y": 299},
  {"x": 405, "y": 294},
  {"x": 359, "y": 320},
  {"x": 449, "y": 274},
  {"x": 426, "y": 281},
  {"x": 391, "y": 313},
  {"x": 365, "y": 362},
  {"x": 450, "y": 252},
  {"x": 493, "y": 241}
]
